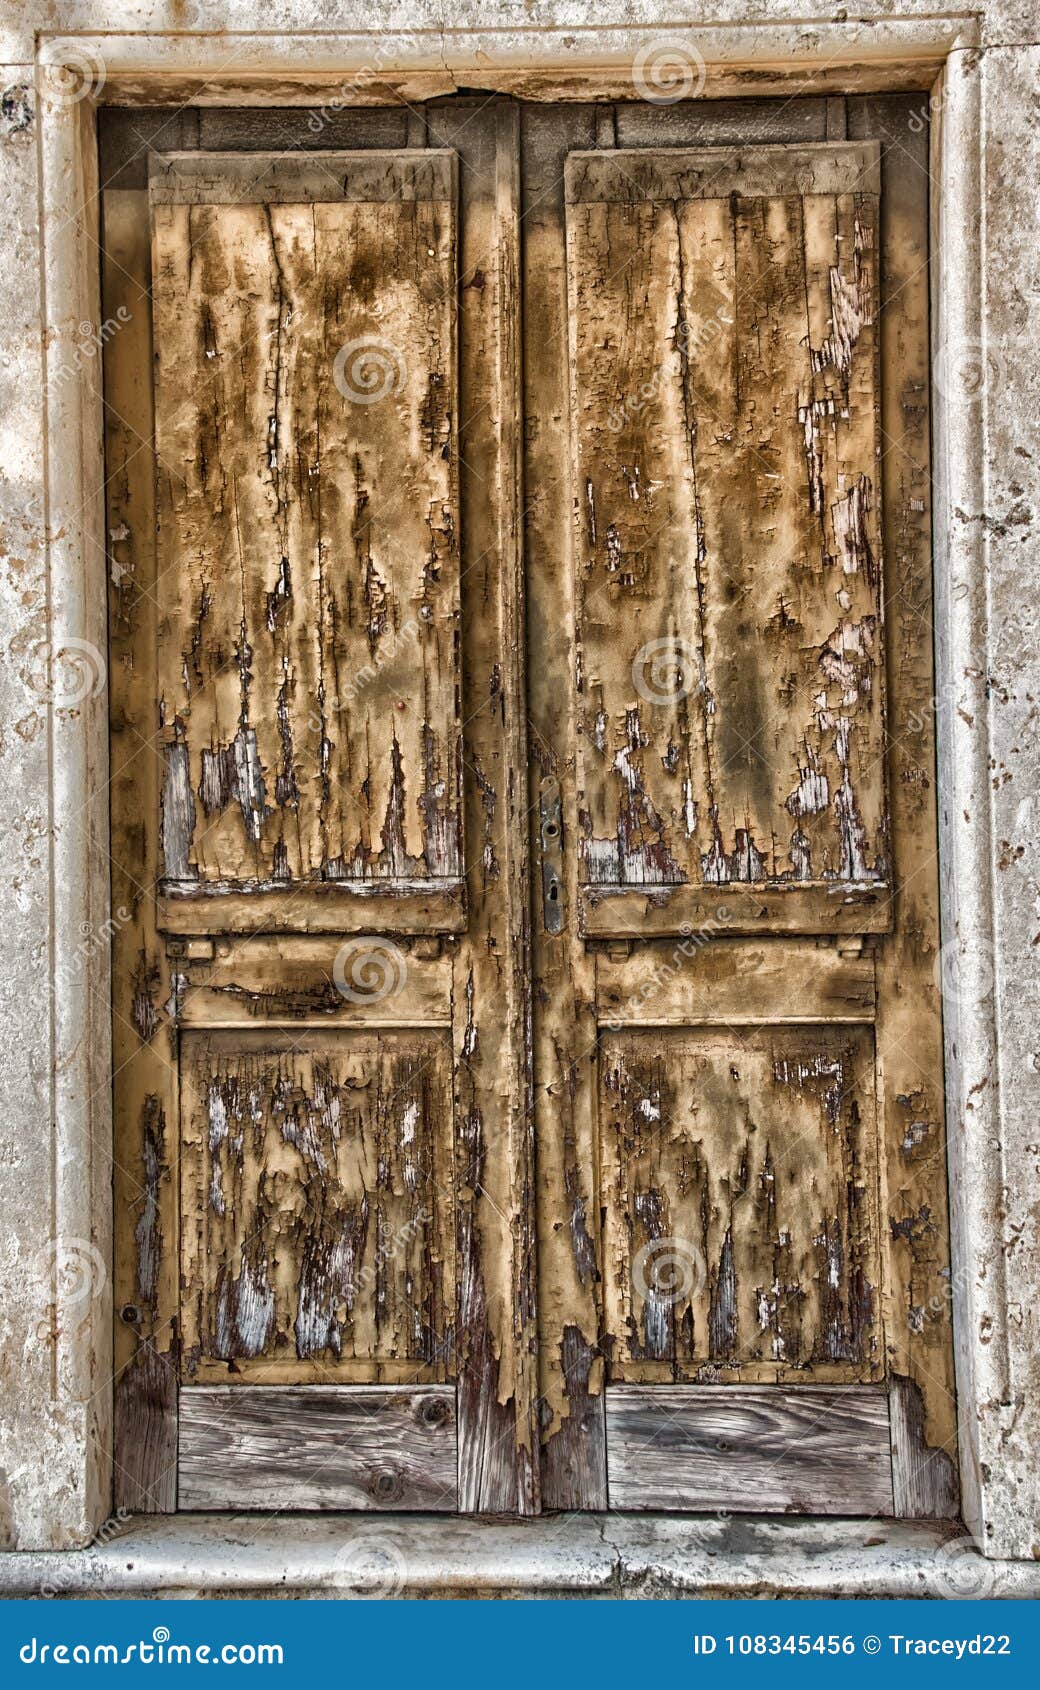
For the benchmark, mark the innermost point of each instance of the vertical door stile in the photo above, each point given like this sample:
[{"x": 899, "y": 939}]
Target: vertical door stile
[
  {"x": 496, "y": 1336},
  {"x": 145, "y": 978},
  {"x": 909, "y": 961},
  {"x": 574, "y": 1468}
]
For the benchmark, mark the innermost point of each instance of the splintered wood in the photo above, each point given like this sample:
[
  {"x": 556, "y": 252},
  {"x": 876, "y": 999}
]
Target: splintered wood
[
  {"x": 730, "y": 662},
  {"x": 309, "y": 572}
]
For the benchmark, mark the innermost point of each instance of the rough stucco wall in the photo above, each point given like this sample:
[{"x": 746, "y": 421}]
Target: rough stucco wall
[{"x": 44, "y": 1468}]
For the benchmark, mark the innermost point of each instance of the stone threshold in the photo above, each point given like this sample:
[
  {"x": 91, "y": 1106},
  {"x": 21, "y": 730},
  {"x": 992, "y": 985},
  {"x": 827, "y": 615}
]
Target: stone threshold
[{"x": 565, "y": 1555}]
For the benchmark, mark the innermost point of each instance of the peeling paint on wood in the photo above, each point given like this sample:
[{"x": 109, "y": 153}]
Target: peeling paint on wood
[
  {"x": 725, "y": 407},
  {"x": 740, "y": 1204},
  {"x": 909, "y": 1031},
  {"x": 699, "y": 1103},
  {"x": 573, "y": 1454},
  {"x": 316, "y": 1213},
  {"x": 306, "y": 412},
  {"x": 144, "y": 984}
]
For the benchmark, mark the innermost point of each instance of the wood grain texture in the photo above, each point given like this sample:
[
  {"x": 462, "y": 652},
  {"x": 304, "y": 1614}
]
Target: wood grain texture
[
  {"x": 641, "y": 123},
  {"x": 707, "y": 1081},
  {"x": 924, "y": 1480},
  {"x": 266, "y": 981},
  {"x": 921, "y": 1287},
  {"x": 740, "y": 1198},
  {"x": 316, "y": 1213},
  {"x": 573, "y": 1454},
  {"x": 634, "y": 174},
  {"x": 697, "y": 981},
  {"x": 306, "y": 415},
  {"x": 749, "y": 1451},
  {"x": 724, "y": 402},
  {"x": 496, "y": 1344},
  {"x": 351, "y": 1447},
  {"x": 144, "y": 985}
]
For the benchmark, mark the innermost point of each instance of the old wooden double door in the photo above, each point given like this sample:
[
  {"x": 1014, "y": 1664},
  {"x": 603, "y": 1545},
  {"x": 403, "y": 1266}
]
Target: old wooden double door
[{"x": 526, "y": 1022}]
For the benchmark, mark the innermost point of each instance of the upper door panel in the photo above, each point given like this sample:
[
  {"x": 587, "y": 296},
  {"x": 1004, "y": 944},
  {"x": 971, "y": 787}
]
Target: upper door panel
[
  {"x": 724, "y": 369},
  {"x": 306, "y": 418}
]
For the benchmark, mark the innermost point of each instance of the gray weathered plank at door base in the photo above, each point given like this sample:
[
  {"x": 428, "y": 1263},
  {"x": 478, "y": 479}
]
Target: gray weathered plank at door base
[
  {"x": 924, "y": 1480},
  {"x": 312, "y": 1447},
  {"x": 747, "y": 1449}
]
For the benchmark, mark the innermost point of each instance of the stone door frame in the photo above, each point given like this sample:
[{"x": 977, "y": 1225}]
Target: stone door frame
[{"x": 59, "y": 1485}]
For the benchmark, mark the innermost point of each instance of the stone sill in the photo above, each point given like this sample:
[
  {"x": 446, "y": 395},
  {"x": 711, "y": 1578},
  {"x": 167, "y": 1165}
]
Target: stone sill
[{"x": 576, "y": 1555}]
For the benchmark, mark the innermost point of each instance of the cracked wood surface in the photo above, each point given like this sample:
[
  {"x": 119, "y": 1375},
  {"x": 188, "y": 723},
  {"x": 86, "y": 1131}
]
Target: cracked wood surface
[
  {"x": 306, "y": 416},
  {"x": 145, "y": 979},
  {"x": 342, "y": 1447},
  {"x": 724, "y": 397},
  {"x": 316, "y": 1213},
  {"x": 774, "y": 302},
  {"x": 909, "y": 1027},
  {"x": 749, "y": 1450},
  {"x": 573, "y": 1451},
  {"x": 494, "y": 1168},
  {"x": 309, "y": 601},
  {"x": 820, "y": 1213},
  {"x": 740, "y": 1204}
]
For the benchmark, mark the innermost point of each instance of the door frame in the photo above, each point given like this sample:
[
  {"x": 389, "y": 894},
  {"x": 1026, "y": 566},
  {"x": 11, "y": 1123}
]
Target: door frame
[{"x": 369, "y": 68}]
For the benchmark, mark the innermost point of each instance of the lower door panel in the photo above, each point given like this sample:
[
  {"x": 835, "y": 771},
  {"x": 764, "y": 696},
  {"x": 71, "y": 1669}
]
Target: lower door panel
[
  {"x": 750, "y": 1450},
  {"x": 313, "y": 1447},
  {"x": 740, "y": 1204}
]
